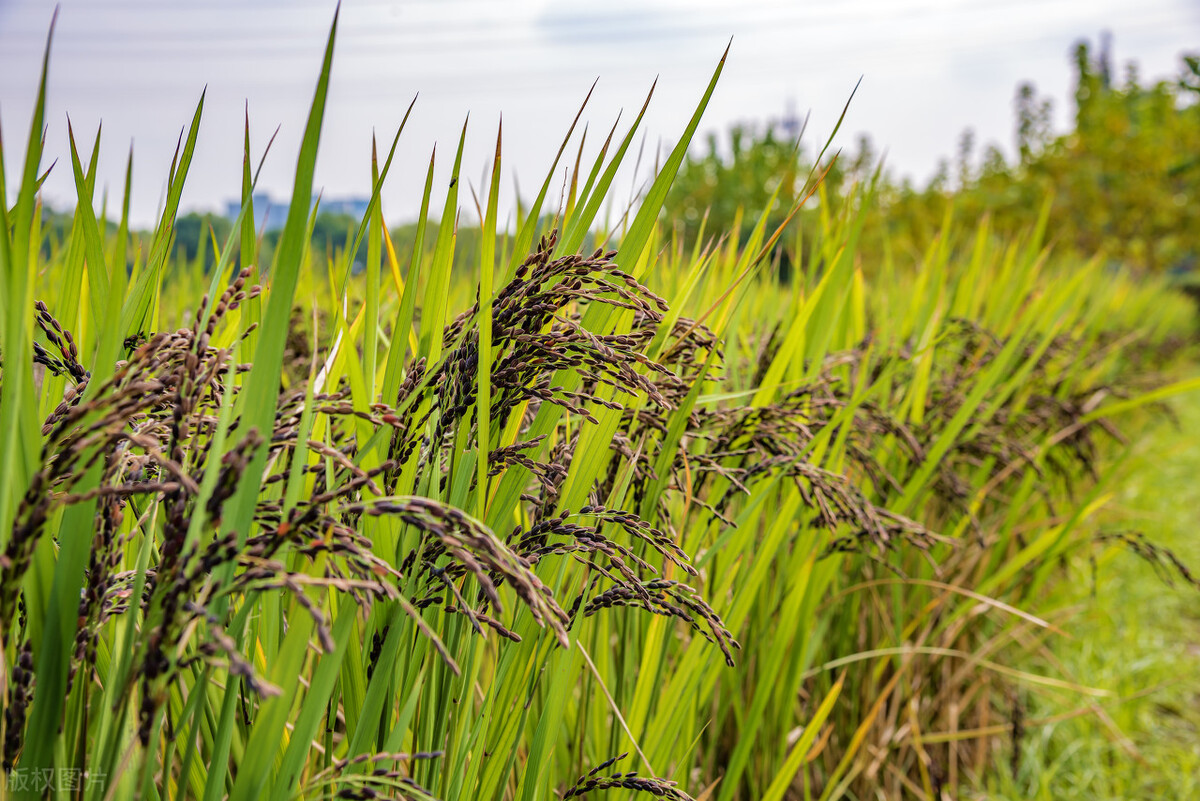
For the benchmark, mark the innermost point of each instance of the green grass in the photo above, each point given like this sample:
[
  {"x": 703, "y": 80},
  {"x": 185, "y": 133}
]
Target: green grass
[
  {"x": 442, "y": 535},
  {"x": 1134, "y": 635}
]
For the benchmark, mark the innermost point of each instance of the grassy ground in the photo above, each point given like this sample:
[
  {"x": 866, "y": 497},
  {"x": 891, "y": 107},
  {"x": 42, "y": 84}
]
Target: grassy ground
[{"x": 1133, "y": 635}]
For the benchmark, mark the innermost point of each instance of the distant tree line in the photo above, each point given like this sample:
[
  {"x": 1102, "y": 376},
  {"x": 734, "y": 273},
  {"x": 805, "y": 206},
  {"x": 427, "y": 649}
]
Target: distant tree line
[{"x": 1125, "y": 180}]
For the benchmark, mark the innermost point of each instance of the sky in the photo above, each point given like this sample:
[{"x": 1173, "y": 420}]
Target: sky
[{"x": 929, "y": 70}]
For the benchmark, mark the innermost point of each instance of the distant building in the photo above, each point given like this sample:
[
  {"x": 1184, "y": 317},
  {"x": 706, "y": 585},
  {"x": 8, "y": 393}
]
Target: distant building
[
  {"x": 791, "y": 124},
  {"x": 274, "y": 213},
  {"x": 265, "y": 210},
  {"x": 354, "y": 206}
]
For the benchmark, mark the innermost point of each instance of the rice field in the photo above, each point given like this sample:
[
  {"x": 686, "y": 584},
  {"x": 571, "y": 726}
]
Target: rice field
[{"x": 604, "y": 514}]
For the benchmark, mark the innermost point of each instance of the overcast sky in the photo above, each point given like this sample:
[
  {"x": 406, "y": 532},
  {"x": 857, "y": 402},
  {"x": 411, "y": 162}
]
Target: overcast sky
[{"x": 930, "y": 69}]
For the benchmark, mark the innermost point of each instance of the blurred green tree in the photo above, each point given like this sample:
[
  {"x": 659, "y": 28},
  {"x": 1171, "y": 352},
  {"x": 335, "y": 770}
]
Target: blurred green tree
[{"x": 1125, "y": 180}]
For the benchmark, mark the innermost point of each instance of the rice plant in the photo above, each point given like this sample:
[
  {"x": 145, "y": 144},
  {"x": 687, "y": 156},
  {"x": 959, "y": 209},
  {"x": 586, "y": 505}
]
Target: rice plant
[{"x": 635, "y": 519}]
